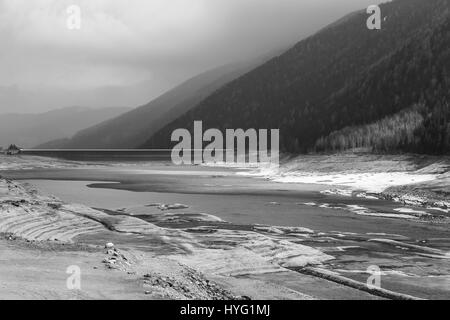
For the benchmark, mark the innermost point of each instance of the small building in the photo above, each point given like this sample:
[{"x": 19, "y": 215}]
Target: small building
[{"x": 12, "y": 150}]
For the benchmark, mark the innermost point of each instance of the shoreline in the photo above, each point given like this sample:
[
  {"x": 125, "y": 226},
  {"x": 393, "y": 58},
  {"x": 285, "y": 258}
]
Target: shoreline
[
  {"x": 145, "y": 270},
  {"x": 24, "y": 240},
  {"x": 415, "y": 180},
  {"x": 148, "y": 274},
  {"x": 159, "y": 277}
]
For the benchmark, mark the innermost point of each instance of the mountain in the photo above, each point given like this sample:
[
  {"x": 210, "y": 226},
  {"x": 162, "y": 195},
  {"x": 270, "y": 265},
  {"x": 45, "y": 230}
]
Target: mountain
[
  {"x": 133, "y": 128},
  {"x": 346, "y": 86},
  {"x": 29, "y": 130}
]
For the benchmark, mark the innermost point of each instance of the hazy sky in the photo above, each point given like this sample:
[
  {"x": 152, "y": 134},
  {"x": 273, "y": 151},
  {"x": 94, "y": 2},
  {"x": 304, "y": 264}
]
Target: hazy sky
[{"x": 129, "y": 51}]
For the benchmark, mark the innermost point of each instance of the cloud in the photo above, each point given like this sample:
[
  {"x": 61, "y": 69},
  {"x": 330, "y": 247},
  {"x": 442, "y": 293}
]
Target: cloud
[{"x": 154, "y": 42}]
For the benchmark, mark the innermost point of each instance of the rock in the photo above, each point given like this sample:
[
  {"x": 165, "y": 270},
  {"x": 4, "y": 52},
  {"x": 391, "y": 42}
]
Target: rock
[
  {"x": 54, "y": 206},
  {"x": 175, "y": 206},
  {"x": 109, "y": 245},
  {"x": 154, "y": 205}
]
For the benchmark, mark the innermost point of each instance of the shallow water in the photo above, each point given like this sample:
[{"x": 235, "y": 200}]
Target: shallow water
[
  {"x": 274, "y": 209},
  {"x": 240, "y": 200},
  {"x": 237, "y": 199}
]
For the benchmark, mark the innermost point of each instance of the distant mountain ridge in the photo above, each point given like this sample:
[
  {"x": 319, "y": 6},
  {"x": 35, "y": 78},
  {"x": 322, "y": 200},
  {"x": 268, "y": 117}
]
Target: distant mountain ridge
[
  {"x": 30, "y": 130},
  {"x": 132, "y": 129},
  {"x": 346, "y": 76}
]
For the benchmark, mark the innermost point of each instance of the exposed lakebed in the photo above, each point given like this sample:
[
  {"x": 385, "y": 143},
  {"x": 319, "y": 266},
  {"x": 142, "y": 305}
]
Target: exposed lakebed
[{"x": 411, "y": 251}]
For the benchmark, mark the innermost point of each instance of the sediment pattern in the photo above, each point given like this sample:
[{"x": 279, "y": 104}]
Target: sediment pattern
[{"x": 26, "y": 214}]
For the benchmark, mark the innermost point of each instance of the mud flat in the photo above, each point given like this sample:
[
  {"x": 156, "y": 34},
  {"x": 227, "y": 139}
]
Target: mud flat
[
  {"x": 408, "y": 179},
  {"x": 212, "y": 233},
  {"x": 434, "y": 194},
  {"x": 41, "y": 242},
  {"x": 42, "y": 237}
]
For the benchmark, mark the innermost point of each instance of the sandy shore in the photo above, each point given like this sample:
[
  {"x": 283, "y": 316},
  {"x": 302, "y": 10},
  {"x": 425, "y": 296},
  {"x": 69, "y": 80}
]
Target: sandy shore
[
  {"x": 162, "y": 252},
  {"x": 408, "y": 179},
  {"x": 42, "y": 237}
]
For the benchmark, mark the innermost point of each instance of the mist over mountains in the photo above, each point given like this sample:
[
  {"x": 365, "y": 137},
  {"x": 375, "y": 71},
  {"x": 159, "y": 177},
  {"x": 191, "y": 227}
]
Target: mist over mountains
[
  {"x": 347, "y": 79},
  {"x": 30, "y": 130},
  {"x": 345, "y": 87},
  {"x": 134, "y": 128}
]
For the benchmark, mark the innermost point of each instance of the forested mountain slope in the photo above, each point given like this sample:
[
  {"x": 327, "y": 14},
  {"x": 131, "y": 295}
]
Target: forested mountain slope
[
  {"x": 133, "y": 128},
  {"x": 345, "y": 76}
]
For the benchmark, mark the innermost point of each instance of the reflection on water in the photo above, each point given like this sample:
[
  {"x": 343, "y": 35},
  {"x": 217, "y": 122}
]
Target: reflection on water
[{"x": 103, "y": 155}]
